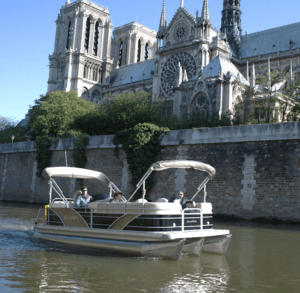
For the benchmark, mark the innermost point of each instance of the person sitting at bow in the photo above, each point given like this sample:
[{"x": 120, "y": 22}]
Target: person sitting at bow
[
  {"x": 117, "y": 197},
  {"x": 182, "y": 200},
  {"x": 83, "y": 198}
]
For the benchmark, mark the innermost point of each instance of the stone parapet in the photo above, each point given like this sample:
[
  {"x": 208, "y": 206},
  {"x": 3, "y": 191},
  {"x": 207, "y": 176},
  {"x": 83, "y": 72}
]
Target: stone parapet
[
  {"x": 230, "y": 134},
  {"x": 233, "y": 134}
]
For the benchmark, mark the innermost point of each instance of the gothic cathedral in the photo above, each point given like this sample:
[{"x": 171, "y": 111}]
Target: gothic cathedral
[{"x": 187, "y": 61}]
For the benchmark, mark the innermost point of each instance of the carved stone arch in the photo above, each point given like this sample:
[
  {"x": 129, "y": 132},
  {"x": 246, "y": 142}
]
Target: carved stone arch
[
  {"x": 85, "y": 93},
  {"x": 68, "y": 19},
  {"x": 150, "y": 43},
  {"x": 99, "y": 20},
  {"x": 95, "y": 96},
  {"x": 200, "y": 103},
  {"x": 91, "y": 17},
  {"x": 85, "y": 71},
  {"x": 141, "y": 38}
]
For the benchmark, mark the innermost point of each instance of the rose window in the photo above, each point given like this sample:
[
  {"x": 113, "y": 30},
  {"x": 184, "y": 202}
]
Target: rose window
[
  {"x": 170, "y": 70},
  {"x": 180, "y": 31},
  {"x": 200, "y": 105}
]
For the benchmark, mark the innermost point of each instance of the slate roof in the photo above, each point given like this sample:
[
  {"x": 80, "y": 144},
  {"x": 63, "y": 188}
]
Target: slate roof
[
  {"x": 222, "y": 63},
  {"x": 133, "y": 73},
  {"x": 270, "y": 41}
]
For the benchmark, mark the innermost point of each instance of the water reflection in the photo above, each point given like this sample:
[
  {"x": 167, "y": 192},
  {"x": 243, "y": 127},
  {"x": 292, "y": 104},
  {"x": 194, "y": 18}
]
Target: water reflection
[{"x": 259, "y": 259}]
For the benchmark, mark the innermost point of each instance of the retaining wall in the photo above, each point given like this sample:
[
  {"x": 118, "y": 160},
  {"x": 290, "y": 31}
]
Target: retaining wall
[{"x": 258, "y": 169}]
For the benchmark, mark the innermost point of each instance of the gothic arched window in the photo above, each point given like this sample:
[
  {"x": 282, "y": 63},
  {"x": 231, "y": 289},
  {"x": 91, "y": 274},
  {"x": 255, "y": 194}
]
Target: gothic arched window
[
  {"x": 69, "y": 36},
  {"x": 146, "y": 51},
  {"x": 85, "y": 94},
  {"x": 139, "y": 52},
  {"x": 96, "y": 38},
  {"x": 201, "y": 105},
  {"x": 85, "y": 72},
  {"x": 87, "y": 34},
  {"x": 96, "y": 96},
  {"x": 120, "y": 53}
]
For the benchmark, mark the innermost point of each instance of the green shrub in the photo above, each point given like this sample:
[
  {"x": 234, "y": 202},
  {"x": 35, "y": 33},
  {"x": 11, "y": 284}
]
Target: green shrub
[{"x": 142, "y": 145}]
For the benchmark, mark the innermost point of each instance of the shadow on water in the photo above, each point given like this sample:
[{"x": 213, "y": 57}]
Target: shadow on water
[{"x": 261, "y": 258}]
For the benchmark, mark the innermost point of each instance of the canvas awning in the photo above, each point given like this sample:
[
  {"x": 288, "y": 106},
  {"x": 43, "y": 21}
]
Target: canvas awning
[
  {"x": 163, "y": 165},
  {"x": 78, "y": 173}
]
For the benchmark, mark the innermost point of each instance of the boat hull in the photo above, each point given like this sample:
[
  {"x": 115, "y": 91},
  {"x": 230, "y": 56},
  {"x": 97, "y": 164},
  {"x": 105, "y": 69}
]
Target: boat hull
[
  {"x": 170, "y": 250},
  {"x": 217, "y": 244}
]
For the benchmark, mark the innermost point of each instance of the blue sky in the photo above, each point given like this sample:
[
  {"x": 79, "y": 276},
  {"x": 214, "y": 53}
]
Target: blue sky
[{"x": 27, "y": 31}]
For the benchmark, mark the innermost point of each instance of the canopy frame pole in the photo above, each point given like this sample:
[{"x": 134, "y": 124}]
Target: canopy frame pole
[
  {"x": 56, "y": 188},
  {"x": 115, "y": 188},
  {"x": 205, "y": 193},
  {"x": 201, "y": 186},
  {"x": 144, "y": 191},
  {"x": 142, "y": 181},
  {"x": 110, "y": 190},
  {"x": 50, "y": 192}
]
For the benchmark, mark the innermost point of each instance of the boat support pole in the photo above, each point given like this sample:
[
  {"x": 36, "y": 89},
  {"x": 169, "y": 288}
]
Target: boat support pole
[{"x": 201, "y": 186}]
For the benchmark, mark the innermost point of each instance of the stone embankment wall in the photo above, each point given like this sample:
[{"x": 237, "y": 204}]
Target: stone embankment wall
[{"x": 258, "y": 169}]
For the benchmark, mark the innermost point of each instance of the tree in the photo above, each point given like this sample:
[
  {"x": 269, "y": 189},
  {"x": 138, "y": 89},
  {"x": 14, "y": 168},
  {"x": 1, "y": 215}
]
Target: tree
[
  {"x": 273, "y": 93},
  {"x": 121, "y": 112},
  {"x": 7, "y": 122},
  {"x": 268, "y": 102},
  {"x": 54, "y": 114},
  {"x": 9, "y": 128}
]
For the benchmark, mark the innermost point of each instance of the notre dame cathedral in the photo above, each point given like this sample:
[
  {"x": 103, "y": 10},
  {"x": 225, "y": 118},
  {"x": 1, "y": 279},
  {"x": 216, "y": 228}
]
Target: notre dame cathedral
[{"x": 186, "y": 61}]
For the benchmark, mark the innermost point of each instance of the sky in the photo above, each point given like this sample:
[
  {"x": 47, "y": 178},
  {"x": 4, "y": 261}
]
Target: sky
[{"x": 27, "y": 32}]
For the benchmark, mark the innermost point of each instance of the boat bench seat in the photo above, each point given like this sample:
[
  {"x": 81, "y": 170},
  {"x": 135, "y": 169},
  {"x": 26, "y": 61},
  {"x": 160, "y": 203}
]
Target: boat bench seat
[
  {"x": 135, "y": 208},
  {"x": 61, "y": 204}
]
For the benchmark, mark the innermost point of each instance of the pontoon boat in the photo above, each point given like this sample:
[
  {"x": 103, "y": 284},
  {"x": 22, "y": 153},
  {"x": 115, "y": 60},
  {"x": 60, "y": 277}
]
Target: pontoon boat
[{"x": 140, "y": 228}]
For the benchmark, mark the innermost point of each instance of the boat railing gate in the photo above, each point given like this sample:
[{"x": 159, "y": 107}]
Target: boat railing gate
[{"x": 196, "y": 214}]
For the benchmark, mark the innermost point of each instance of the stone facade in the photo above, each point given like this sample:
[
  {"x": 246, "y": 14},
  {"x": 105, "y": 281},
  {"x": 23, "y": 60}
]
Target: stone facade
[
  {"x": 187, "y": 61},
  {"x": 258, "y": 169}
]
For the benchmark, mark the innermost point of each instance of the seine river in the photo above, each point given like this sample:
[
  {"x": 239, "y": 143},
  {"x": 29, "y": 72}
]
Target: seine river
[{"x": 260, "y": 258}]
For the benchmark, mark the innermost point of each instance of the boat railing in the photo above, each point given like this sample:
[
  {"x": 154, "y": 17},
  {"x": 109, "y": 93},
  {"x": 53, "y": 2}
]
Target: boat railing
[
  {"x": 39, "y": 218},
  {"x": 62, "y": 200},
  {"x": 185, "y": 212}
]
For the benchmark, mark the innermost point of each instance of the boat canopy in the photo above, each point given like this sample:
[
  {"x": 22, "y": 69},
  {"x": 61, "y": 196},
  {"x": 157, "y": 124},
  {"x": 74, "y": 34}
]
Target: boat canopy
[
  {"x": 163, "y": 165},
  {"x": 78, "y": 173}
]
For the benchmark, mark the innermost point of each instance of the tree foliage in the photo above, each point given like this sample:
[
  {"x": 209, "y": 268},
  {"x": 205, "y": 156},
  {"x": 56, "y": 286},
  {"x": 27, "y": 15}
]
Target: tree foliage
[
  {"x": 277, "y": 94},
  {"x": 54, "y": 114},
  {"x": 9, "y": 128},
  {"x": 141, "y": 144},
  {"x": 121, "y": 112}
]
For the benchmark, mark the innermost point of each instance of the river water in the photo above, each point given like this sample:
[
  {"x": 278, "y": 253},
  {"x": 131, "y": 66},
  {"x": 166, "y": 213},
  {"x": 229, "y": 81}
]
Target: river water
[{"x": 260, "y": 258}]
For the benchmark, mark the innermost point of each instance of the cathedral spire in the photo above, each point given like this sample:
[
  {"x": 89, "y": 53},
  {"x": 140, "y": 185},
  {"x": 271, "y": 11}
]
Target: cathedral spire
[
  {"x": 205, "y": 11},
  {"x": 181, "y": 3},
  {"x": 231, "y": 22},
  {"x": 163, "y": 21}
]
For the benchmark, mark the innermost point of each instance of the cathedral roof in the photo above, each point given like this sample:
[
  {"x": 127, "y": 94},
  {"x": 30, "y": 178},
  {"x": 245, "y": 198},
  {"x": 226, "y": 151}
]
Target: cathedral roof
[
  {"x": 186, "y": 13},
  {"x": 133, "y": 73},
  {"x": 271, "y": 41},
  {"x": 223, "y": 64}
]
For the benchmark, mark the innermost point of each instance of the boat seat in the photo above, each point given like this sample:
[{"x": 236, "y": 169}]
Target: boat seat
[
  {"x": 162, "y": 200},
  {"x": 78, "y": 192},
  {"x": 141, "y": 200}
]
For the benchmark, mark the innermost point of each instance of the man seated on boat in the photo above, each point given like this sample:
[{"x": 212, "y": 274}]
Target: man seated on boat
[
  {"x": 182, "y": 200},
  {"x": 117, "y": 197},
  {"x": 83, "y": 198}
]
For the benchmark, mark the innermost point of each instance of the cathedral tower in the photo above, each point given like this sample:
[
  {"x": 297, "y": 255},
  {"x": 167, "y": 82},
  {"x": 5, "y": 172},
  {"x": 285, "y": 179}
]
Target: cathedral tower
[
  {"x": 82, "y": 51},
  {"x": 231, "y": 23}
]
